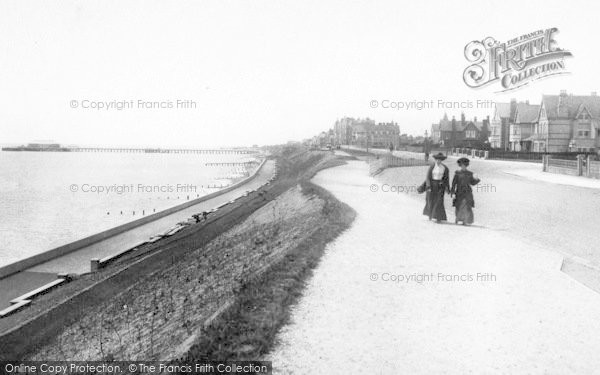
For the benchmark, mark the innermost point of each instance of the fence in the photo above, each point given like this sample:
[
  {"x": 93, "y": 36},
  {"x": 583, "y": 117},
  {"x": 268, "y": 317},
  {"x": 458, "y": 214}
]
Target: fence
[
  {"x": 469, "y": 152},
  {"x": 518, "y": 155},
  {"x": 583, "y": 165},
  {"x": 390, "y": 161},
  {"x": 593, "y": 169}
]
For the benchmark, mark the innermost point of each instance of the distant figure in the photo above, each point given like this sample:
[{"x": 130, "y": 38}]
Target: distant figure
[
  {"x": 201, "y": 216},
  {"x": 391, "y": 147},
  {"x": 436, "y": 184},
  {"x": 461, "y": 188},
  {"x": 426, "y": 156}
]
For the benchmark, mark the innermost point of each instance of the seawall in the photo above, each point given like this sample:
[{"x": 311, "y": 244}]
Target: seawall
[{"x": 76, "y": 245}]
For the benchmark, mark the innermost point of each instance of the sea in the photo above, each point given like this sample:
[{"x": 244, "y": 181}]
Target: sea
[{"x": 49, "y": 199}]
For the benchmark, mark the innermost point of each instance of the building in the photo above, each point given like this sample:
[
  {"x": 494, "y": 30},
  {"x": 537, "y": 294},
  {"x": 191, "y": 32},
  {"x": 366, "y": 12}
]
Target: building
[
  {"x": 405, "y": 140},
  {"x": 568, "y": 123},
  {"x": 522, "y": 126},
  {"x": 360, "y": 134},
  {"x": 324, "y": 139},
  {"x": 366, "y": 133},
  {"x": 348, "y": 130},
  {"x": 385, "y": 135},
  {"x": 460, "y": 133},
  {"x": 44, "y": 146},
  {"x": 343, "y": 131},
  {"x": 500, "y": 124},
  {"x": 442, "y": 131}
]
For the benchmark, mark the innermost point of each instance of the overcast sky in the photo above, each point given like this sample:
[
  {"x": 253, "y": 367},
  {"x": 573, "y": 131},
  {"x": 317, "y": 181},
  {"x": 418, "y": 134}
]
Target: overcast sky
[{"x": 260, "y": 72}]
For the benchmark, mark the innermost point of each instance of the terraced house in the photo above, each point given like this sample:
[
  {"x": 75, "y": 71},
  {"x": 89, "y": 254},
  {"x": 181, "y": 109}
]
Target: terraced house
[
  {"x": 522, "y": 126},
  {"x": 568, "y": 122},
  {"x": 504, "y": 113}
]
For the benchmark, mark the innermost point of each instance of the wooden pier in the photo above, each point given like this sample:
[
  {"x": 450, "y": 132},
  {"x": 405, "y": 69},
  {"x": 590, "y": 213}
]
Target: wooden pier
[
  {"x": 164, "y": 150},
  {"x": 239, "y": 164}
]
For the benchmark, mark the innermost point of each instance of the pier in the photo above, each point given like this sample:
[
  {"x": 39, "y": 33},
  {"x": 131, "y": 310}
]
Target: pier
[
  {"x": 55, "y": 147},
  {"x": 164, "y": 150},
  {"x": 238, "y": 164}
]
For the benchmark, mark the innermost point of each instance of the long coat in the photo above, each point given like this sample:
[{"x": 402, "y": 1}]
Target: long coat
[
  {"x": 434, "y": 199},
  {"x": 461, "y": 187}
]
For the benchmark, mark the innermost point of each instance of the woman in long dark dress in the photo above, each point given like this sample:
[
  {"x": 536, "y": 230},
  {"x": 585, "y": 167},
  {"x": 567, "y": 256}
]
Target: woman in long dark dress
[
  {"x": 461, "y": 188},
  {"x": 436, "y": 184}
]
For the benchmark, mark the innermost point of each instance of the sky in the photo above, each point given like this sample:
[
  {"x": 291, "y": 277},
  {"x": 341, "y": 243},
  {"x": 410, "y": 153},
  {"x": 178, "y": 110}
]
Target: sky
[{"x": 257, "y": 72}]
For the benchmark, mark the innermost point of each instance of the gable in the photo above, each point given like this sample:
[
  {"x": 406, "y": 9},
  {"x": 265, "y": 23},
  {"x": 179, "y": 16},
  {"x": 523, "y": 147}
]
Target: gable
[
  {"x": 471, "y": 126},
  {"x": 583, "y": 113},
  {"x": 543, "y": 117}
]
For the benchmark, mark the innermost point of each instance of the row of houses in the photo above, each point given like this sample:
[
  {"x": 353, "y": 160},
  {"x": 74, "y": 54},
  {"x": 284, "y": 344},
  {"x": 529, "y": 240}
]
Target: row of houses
[
  {"x": 560, "y": 123},
  {"x": 360, "y": 132},
  {"x": 460, "y": 133}
]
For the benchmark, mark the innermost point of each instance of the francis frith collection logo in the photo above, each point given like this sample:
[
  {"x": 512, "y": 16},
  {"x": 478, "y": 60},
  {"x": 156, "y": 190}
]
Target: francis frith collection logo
[{"x": 515, "y": 63}]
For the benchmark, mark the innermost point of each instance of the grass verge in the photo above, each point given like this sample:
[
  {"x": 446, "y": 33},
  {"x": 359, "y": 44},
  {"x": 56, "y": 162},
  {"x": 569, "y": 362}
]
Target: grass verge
[{"x": 247, "y": 329}]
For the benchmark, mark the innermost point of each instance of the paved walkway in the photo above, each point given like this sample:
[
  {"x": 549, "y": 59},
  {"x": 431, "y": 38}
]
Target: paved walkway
[
  {"x": 397, "y": 294},
  {"x": 555, "y": 178},
  {"x": 79, "y": 260}
]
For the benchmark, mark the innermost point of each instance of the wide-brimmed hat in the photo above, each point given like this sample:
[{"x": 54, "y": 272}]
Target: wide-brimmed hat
[
  {"x": 439, "y": 156},
  {"x": 464, "y": 161}
]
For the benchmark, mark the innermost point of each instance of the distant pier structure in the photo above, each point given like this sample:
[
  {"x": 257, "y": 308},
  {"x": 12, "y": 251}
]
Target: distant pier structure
[
  {"x": 239, "y": 164},
  {"x": 55, "y": 147},
  {"x": 164, "y": 150}
]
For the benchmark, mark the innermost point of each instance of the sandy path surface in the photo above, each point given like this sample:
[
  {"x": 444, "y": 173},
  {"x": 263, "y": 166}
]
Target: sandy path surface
[{"x": 381, "y": 300}]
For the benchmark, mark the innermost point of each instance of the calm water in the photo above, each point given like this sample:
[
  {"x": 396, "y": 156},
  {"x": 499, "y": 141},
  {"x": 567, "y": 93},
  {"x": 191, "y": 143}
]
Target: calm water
[{"x": 49, "y": 199}]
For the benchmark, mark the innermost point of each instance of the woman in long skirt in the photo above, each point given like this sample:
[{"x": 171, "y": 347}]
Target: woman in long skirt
[
  {"x": 461, "y": 188},
  {"x": 436, "y": 184}
]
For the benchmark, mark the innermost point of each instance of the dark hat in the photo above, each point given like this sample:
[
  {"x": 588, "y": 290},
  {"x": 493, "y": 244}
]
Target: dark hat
[
  {"x": 440, "y": 156},
  {"x": 464, "y": 161}
]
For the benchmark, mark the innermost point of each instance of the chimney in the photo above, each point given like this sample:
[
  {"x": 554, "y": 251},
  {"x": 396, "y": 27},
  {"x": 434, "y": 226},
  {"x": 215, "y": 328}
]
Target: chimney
[
  {"x": 475, "y": 119},
  {"x": 527, "y": 102},
  {"x": 563, "y": 92},
  {"x": 513, "y": 108},
  {"x": 462, "y": 118},
  {"x": 593, "y": 93}
]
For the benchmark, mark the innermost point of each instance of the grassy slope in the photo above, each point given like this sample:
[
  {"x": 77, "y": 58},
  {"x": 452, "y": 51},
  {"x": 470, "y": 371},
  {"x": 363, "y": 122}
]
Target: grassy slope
[
  {"x": 247, "y": 330},
  {"x": 260, "y": 304}
]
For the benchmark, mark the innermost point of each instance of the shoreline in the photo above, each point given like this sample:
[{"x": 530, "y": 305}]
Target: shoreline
[
  {"x": 72, "y": 246},
  {"x": 79, "y": 298}
]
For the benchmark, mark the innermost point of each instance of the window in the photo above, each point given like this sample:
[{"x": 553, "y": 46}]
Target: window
[{"x": 583, "y": 133}]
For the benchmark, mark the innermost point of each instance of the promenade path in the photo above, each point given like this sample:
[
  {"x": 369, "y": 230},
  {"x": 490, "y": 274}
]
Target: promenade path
[
  {"x": 79, "y": 261},
  {"x": 398, "y": 294}
]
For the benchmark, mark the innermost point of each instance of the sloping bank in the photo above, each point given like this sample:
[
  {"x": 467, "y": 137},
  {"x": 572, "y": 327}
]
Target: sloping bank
[{"x": 218, "y": 292}]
